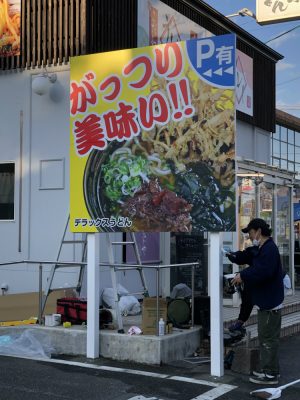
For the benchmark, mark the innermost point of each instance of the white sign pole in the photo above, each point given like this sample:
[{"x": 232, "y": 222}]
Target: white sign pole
[
  {"x": 216, "y": 306},
  {"x": 93, "y": 283}
]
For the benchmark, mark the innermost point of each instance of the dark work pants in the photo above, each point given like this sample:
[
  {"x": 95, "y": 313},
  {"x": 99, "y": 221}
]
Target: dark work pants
[
  {"x": 269, "y": 325},
  {"x": 246, "y": 304}
]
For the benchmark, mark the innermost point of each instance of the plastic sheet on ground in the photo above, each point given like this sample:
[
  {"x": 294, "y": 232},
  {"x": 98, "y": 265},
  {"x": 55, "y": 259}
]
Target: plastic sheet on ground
[
  {"x": 25, "y": 345},
  {"x": 128, "y": 305}
]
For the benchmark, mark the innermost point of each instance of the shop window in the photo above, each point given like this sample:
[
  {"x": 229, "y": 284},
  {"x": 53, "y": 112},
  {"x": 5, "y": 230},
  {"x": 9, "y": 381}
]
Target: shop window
[
  {"x": 7, "y": 191},
  {"x": 283, "y": 225},
  {"x": 291, "y": 134},
  {"x": 283, "y": 164},
  {"x": 297, "y": 154},
  {"x": 266, "y": 202},
  {"x": 283, "y": 150},
  {"x": 297, "y": 138},
  {"x": 276, "y": 148},
  {"x": 297, "y": 168},
  {"x": 291, "y": 166},
  {"x": 276, "y": 134},
  {"x": 283, "y": 134},
  {"x": 291, "y": 155},
  {"x": 247, "y": 206}
]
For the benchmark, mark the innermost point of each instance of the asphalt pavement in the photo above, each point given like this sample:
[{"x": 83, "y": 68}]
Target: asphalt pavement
[{"x": 79, "y": 378}]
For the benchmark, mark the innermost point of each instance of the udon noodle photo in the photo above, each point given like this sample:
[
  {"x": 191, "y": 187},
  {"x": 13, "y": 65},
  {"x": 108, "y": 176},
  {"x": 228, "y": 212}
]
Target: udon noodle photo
[
  {"x": 179, "y": 177},
  {"x": 10, "y": 22}
]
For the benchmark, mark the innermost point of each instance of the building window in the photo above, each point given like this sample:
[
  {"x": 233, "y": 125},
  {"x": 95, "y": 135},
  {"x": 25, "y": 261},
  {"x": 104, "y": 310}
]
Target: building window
[
  {"x": 7, "y": 191},
  {"x": 285, "y": 148}
]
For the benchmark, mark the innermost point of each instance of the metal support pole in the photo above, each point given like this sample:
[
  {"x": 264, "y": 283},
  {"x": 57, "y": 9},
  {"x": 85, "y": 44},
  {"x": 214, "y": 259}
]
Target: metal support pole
[
  {"x": 93, "y": 283},
  {"x": 157, "y": 300},
  {"x": 193, "y": 293},
  {"x": 40, "y": 293},
  {"x": 216, "y": 306}
]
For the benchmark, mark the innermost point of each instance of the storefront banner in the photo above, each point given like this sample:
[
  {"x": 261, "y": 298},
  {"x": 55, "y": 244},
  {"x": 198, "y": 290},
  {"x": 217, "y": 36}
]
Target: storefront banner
[
  {"x": 244, "y": 83},
  {"x": 153, "y": 138},
  {"x": 273, "y": 11},
  {"x": 159, "y": 23},
  {"x": 10, "y": 25}
]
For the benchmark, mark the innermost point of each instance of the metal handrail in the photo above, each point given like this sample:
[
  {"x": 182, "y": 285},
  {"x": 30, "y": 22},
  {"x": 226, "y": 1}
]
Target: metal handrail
[{"x": 120, "y": 267}]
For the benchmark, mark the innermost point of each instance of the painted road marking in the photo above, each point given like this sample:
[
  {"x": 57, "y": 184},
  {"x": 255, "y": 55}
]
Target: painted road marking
[
  {"x": 219, "y": 388},
  {"x": 214, "y": 393},
  {"x": 143, "y": 398}
]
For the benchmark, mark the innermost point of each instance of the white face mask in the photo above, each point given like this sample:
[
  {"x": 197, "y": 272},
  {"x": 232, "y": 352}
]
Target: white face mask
[{"x": 256, "y": 242}]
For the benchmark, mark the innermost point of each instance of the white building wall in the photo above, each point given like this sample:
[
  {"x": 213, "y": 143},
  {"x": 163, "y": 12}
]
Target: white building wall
[
  {"x": 41, "y": 207},
  {"x": 252, "y": 143}
]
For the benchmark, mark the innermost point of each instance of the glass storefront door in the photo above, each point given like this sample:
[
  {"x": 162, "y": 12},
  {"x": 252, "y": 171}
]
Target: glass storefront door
[
  {"x": 247, "y": 207},
  {"x": 283, "y": 226},
  {"x": 271, "y": 202},
  {"x": 266, "y": 191}
]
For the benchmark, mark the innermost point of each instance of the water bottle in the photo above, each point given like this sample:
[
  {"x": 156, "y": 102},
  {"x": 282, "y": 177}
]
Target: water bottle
[{"x": 161, "y": 327}]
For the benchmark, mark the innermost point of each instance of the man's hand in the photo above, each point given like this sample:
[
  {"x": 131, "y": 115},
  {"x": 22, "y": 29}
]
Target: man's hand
[
  {"x": 231, "y": 257},
  {"x": 237, "y": 280}
]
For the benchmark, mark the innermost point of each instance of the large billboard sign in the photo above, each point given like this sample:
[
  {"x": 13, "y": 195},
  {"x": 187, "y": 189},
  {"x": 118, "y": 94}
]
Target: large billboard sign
[
  {"x": 153, "y": 138},
  {"x": 10, "y": 27},
  {"x": 272, "y": 11}
]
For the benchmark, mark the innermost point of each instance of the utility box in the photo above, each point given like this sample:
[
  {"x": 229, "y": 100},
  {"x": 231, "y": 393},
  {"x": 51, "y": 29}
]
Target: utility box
[{"x": 149, "y": 315}]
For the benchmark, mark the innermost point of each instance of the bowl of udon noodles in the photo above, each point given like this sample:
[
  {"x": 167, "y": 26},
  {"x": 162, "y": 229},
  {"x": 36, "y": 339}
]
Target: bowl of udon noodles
[{"x": 179, "y": 177}]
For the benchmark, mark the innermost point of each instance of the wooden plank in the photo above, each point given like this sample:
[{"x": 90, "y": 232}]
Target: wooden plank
[
  {"x": 77, "y": 29},
  {"x": 83, "y": 26},
  {"x": 23, "y": 25},
  {"x": 55, "y": 31},
  {"x": 33, "y": 34},
  {"x": 44, "y": 32},
  {"x": 50, "y": 32},
  {"x": 71, "y": 28},
  {"x": 66, "y": 31},
  {"x": 60, "y": 31},
  {"x": 28, "y": 23},
  {"x": 39, "y": 32}
]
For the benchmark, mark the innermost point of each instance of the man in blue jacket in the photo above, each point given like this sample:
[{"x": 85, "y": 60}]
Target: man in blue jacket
[{"x": 264, "y": 280}]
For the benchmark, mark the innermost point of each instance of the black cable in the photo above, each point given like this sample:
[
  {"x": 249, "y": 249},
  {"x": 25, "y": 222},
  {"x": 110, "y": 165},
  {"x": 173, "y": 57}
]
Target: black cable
[
  {"x": 282, "y": 34},
  {"x": 290, "y": 80}
]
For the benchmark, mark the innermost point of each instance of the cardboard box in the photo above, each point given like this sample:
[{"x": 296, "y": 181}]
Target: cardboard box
[
  {"x": 149, "y": 318},
  {"x": 22, "y": 306}
]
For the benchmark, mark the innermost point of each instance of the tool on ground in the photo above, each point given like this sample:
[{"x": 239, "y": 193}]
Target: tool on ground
[
  {"x": 29, "y": 321},
  {"x": 272, "y": 393}
]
